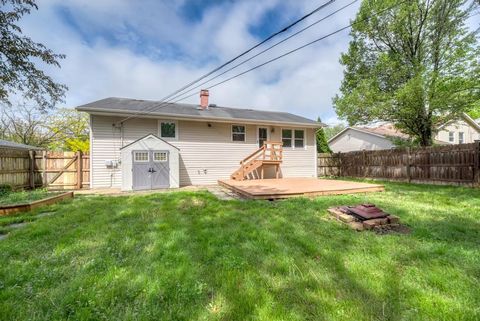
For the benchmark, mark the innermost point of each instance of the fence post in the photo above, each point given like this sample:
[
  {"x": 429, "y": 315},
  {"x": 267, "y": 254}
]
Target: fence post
[
  {"x": 44, "y": 176},
  {"x": 79, "y": 170},
  {"x": 340, "y": 164},
  {"x": 476, "y": 167},
  {"x": 364, "y": 161},
  {"x": 409, "y": 164},
  {"x": 31, "y": 177}
]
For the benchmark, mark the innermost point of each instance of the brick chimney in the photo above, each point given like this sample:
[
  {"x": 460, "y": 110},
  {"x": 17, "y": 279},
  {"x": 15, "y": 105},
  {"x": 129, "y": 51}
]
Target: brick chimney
[{"x": 204, "y": 99}]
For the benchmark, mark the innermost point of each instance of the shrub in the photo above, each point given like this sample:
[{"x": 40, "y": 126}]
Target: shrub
[{"x": 5, "y": 189}]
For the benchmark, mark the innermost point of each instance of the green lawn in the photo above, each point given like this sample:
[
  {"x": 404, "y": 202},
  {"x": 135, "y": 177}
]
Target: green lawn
[
  {"x": 189, "y": 256},
  {"x": 21, "y": 197}
]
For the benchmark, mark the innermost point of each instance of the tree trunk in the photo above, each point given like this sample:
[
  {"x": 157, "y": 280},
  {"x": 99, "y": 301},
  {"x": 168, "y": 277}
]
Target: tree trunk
[{"x": 426, "y": 137}]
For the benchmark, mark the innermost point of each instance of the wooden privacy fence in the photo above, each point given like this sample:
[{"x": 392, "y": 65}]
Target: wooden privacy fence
[
  {"x": 451, "y": 164},
  {"x": 54, "y": 170}
]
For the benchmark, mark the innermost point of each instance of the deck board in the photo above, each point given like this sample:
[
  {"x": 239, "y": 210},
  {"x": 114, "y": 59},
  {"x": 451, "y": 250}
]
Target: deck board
[{"x": 296, "y": 187}]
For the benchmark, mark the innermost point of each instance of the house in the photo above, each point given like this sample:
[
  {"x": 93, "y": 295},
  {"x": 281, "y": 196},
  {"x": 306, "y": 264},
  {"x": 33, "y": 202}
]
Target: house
[
  {"x": 201, "y": 143},
  {"x": 462, "y": 131},
  {"x": 6, "y": 144}
]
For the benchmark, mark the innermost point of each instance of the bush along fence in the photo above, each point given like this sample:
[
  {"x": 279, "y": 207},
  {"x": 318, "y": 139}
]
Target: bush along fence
[
  {"x": 450, "y": 164},
  {"x": 53, "y": 170}
]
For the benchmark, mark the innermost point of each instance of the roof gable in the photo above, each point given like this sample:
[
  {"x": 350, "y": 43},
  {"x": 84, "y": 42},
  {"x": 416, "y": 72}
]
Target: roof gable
[{"x": 147, "y": 137}]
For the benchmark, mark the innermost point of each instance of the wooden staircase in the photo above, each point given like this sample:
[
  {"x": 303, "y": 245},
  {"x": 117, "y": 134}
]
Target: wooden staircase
[{"x": 253, "y": 166}]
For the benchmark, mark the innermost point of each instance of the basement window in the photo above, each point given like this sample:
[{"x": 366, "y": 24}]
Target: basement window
[{"x": 238, "y": 133}]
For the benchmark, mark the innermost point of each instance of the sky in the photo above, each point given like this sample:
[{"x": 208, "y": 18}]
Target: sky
[{"x": 146, "y": 49}]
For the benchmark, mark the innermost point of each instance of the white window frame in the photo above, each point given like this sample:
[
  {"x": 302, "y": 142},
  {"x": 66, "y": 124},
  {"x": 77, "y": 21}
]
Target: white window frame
[
  {"x": 258, "y": 134},
  {"x": 244, "y": 133},
  {"x": 143, "y": 160},
  {"x": 293, "y": 138},
  {"x": 304, "y": 138},
  {"x": 462, "y": 134},
  {"x": 451, "y": 137},
  {"x": 161, "y": 160},
  {"x": 160, "y": 121}
]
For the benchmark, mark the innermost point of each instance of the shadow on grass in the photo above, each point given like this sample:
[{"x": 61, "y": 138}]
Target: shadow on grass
[{"x": 189, "y": 256}]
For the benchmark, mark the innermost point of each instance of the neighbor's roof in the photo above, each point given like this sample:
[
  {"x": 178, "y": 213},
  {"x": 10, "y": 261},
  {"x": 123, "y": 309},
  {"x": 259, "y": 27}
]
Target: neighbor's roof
[
  {"x": 384, "y": 131},
  {"x": 13, "y": 145},
  {"x": 124, "y": 106}
]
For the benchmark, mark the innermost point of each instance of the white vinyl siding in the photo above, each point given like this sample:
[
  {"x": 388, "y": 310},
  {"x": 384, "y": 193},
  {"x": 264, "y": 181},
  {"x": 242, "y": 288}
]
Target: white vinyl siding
[
  {"x": 207, "y": 154},
  {"x": 106, "y": 144}
]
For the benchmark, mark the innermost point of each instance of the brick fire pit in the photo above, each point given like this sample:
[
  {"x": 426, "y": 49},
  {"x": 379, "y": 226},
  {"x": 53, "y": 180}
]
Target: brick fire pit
[{"x": 368, "y": 217}]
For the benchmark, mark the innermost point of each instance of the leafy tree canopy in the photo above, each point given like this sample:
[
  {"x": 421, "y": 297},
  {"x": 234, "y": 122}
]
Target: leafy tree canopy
[
  {"x": 60, "y": 129},
  {"x": 19, "y": 57},
  {"x": 322, "y": 144},
  {"x": 416, "y": 65}
]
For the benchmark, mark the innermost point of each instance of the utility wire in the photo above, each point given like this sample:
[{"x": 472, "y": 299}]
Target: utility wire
[
  {"x": 285, "y": 29},
  {"x": 260, "y": 53},
  {"x": 290, "y": 52}
]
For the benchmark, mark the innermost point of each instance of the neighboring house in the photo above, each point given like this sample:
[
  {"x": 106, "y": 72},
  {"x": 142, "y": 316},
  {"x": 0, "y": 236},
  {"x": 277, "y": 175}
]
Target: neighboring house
[
  {"x": 364, "y": 138},
  {"x": 6, "y": 144},
  {"x": 463, "y": 131},
  {"x": 210, "y": 141}
]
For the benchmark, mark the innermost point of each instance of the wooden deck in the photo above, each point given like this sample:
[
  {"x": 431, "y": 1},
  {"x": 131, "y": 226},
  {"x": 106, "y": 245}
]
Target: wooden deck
[{"x": 296, "y": 187}]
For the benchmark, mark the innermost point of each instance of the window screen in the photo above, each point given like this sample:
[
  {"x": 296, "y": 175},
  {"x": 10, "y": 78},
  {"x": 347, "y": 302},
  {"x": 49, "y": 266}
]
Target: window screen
[
  {"x": 287, "y": 137},
  {"x": 167, "y": 129},
  {"x": 299, "y": 138},
  {"x": 238, "y": 133}
]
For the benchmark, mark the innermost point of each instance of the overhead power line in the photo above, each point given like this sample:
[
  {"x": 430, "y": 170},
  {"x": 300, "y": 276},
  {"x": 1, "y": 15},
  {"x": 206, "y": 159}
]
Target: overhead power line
[
  {"x": 265, "y": 50},
  {"x": 283, "y": 30},
  {"x": 285, "y": 54}
]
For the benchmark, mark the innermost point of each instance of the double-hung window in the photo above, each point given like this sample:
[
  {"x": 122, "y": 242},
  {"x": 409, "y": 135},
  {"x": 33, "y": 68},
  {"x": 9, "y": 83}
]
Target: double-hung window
[
  {"x": 451, "y": 137},
  {"x": 168, "y": 129},
  {"x": 299, "y": 138},
  {"x": 238, "y": 133},
  {"x": 293, "y": 138},
  {"x": 461, "y": 138}
]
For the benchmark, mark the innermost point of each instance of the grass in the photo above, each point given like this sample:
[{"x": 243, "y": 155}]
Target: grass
[
  {"x": 24, "y": 196},
  {"x": 189, "y": 256}
]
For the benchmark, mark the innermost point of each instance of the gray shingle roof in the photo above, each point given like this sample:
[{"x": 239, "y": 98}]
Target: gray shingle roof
[
  {"x": 126, "y": 106},
  {"x": 13, "y": 145}
]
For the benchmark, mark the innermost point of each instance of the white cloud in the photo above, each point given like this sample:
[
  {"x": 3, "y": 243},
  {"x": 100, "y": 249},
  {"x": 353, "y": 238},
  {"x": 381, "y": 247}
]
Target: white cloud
[{"x": 95, "y": 68}]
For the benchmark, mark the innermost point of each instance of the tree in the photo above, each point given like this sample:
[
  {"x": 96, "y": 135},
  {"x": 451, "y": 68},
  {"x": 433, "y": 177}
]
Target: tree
[
  {"x": 63, "y": 129},
  {"x": 331, "y": 131},
  {"x": 322, "y": 144},
  {"x": 19, "y": 74},
  {"x": 416, "y": 65},
  {"x": 73, "y": 130}
]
